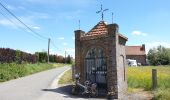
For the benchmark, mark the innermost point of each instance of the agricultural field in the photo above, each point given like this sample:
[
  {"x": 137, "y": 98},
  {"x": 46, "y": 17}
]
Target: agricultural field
[
  {"x": 13, "y": 70},
  {"x": 141, "y": 77}
]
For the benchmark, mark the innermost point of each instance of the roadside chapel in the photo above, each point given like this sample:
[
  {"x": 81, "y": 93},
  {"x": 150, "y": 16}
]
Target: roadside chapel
[{"x": 100, "y": 58}]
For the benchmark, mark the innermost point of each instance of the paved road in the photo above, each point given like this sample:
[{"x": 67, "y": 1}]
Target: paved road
[{"x": 29, "y": 87}]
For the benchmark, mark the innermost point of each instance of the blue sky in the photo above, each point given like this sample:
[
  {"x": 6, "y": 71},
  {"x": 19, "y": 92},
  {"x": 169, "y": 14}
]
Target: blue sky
[{"x": 142, "y": 21}]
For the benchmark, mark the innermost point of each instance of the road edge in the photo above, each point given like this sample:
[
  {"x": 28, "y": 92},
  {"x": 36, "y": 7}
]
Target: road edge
[{"x": 56, "y": 80}]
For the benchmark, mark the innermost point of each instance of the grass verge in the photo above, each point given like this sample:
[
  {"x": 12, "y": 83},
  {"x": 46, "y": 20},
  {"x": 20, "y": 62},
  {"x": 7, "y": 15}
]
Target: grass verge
[
  {"x": 13, "y": 70},
  {"x": 66, "y": 78}
]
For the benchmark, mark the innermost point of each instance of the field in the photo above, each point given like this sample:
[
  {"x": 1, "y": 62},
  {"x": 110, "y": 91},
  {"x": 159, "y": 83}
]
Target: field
[
  {"x": 13, "y": 70},
  {"x": 140, "y": 77}
]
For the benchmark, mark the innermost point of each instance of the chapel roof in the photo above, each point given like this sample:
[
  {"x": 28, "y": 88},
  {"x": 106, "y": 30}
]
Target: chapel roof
[{"x": 100, "y": 28}]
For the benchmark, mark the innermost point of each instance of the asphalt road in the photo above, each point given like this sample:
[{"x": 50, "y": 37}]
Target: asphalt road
[{"x": 29, "y": 87}]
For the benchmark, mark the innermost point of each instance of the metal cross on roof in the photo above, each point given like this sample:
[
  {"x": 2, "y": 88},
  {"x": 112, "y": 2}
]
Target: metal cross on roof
[{"x": 102, "y": 12}]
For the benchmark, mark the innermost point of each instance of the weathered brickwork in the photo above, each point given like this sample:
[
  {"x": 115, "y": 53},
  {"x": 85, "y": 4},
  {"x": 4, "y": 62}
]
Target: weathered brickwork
[{"x": 108, "y": 38}]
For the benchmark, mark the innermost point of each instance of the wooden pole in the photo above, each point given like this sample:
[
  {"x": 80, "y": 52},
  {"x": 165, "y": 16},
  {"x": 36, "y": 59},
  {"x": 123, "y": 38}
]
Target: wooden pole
[
  {"x": 48, "y": 49},
  {"x": 154, "y": 79},
  {"x": 65, "y": 57}
]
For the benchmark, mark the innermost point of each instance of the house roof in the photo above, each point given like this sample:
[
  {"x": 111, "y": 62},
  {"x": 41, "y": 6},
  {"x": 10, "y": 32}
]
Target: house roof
[{"x": 135, "y": 50}]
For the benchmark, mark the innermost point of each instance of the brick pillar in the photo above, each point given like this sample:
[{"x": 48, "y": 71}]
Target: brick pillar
[
  {"x": 78, "y": 52},
  {"x": 112, "y": 58}
]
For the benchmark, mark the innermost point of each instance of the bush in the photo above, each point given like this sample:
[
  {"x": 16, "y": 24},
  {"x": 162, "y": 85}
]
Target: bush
[{"x": 9, "y": 56}]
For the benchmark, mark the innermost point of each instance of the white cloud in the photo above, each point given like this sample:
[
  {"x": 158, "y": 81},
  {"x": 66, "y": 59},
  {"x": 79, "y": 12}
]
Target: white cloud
[
  {"x": 15, "y": 8},
  {"x": 36, "y": 27},
  {"x": 14, "y": 23},
  {"x": 65, "y": 43},
  {"x": 155, "y": 44},
  {"x": 6, "y": 22},
  {"x": 139, "y": 33},
  {"x": 38, "y": 15},
  {"x": 61, "y": 38},
  {"x": 11, "y": 7}
]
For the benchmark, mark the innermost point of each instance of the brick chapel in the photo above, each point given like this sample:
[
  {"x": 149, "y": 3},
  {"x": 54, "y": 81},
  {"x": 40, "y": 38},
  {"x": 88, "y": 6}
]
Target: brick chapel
[{"x": 100, "y": 57}]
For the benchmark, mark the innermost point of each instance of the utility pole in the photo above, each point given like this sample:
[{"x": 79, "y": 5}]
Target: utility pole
[
  {"x": 48, "y": 49},
  {"x": 65, "y": 57}
]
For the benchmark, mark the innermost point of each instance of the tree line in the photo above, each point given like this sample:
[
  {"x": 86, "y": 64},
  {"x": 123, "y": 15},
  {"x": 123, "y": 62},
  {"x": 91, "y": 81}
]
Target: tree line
[
  {"x": 159, "y": 56},
  {"x": 8, "y": 55}
]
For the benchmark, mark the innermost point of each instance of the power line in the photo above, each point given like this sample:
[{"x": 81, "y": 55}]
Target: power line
[
  {"x": 23, "y": 29},
  {"x": 35, "y": 33},
  {"x": 55, "y": 46},
  {"x": 23, "y": 22}
]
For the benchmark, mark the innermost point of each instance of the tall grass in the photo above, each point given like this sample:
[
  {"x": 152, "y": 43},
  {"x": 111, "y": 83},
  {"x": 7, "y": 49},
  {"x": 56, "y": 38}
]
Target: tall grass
[
  {"x": 140, "y": 77},
  {"x": 13, "y": 70}
]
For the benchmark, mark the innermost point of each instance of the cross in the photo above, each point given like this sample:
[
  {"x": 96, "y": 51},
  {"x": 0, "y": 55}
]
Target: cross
[{"x": 102, "y": 11}]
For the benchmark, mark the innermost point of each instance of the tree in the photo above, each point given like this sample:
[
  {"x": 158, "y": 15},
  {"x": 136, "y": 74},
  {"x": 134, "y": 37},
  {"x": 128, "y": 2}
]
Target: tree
[
  {"x": 42, "y": 56},
  {"x": 159, "y": 56},
  {"x": 68, "y": 60}
]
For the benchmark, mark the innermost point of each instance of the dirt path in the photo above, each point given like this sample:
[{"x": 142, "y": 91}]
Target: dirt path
[{"x": 140, "y": 94}]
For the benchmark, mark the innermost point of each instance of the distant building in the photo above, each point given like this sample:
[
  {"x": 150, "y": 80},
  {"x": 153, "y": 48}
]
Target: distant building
[{"x": 137, "y": 53}]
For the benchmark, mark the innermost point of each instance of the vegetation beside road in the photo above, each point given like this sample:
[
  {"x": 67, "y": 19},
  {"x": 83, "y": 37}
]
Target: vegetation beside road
[
  {"x": 10, "y": 71},
  {"x": 66, "y": 78},
  {"x": 140, "y": 77}
]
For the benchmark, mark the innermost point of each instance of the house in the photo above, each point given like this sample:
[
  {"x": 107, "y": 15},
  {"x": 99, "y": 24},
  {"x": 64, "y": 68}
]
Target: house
[{"x": 136, "y": 53}]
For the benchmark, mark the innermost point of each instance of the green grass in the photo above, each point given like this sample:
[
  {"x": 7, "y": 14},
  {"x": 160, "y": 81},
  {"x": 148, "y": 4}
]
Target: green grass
[
  {"x": 140, "y": 77},
  {"x": 66, "y": 78},
  {"x": 13, "y": 70}
]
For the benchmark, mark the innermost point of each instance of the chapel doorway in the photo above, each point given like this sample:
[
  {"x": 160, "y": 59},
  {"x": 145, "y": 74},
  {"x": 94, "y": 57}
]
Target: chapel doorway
[{"x": 96, "y": 67}]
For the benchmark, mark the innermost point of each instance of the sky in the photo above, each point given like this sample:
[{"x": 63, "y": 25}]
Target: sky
[{"x": 142, "y": 21}]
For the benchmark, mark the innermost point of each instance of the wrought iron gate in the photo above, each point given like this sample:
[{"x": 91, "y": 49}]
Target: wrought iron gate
[{"x": 96, "y": 68}]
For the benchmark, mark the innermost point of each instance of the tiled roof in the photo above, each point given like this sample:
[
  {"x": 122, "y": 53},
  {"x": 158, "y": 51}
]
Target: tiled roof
[
  {"x": 100, "y": 28},
  {"x": 135, "y": 50}
]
